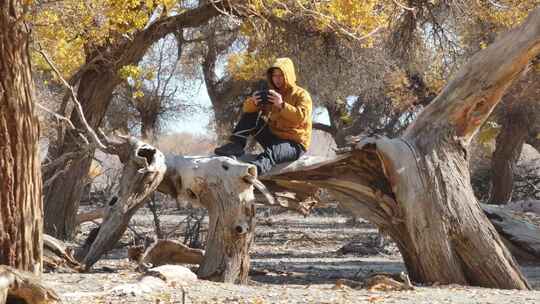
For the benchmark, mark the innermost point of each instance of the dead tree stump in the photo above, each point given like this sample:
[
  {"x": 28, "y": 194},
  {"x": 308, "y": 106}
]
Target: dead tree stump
[
  {"x": 224, "y": 187},
  {"x": 143, "y": 172}
]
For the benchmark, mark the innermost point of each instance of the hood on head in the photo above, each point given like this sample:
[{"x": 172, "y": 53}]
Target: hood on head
[{"x": 287, "y": 67}]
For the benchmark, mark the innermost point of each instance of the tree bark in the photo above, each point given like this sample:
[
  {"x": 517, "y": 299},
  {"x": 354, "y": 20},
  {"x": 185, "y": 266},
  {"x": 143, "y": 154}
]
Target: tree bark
[
  {"x": 149, "y": 126},
  {"x": 510, "y": 142},
  {"x": 143, "y": 172},
  {"x": 96, "y": 86},
  {"x": 218, "y": 184},
  {"x": 62, "y": 197},
  {"x": 21, "y": 217},
  {"x": 417, "y": 187}
]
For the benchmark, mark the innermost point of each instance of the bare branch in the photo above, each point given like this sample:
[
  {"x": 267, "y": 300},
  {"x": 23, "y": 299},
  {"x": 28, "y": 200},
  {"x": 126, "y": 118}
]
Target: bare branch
[
  {"x": 56, "y": 115},
  {"x": 78, "y": 106}
]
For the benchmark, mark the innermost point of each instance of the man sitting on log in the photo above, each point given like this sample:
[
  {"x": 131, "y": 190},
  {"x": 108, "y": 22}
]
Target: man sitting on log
[{"x": 278, "y": 118}]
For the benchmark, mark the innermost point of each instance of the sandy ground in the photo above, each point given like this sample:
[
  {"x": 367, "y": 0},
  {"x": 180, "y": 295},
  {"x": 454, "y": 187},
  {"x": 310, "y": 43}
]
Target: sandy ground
[{"x": 297, "y": 260}]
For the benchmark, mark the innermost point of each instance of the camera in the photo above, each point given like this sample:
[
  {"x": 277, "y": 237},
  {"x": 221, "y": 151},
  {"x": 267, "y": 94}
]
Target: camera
[
  {"x": 263, "y": 93},
  {"x": 264, "y": 96}
]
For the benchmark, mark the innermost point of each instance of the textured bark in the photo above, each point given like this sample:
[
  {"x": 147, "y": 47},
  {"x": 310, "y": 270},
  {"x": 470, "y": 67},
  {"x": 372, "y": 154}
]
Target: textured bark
[
  {"x": 21, "y": 217},
  {"x": 519, "y": 124},
  {"x": 149, "y": 126},
  {"x": 62, "y": 197},
  {"x": 510, "y": 142},
  {"x": 417, "y": 188},
  {"x": 143, "y": 172},
  {"x": 218, "y": 184},
  {"x": 96, "y": 86},
  {"x": 225, "y": 93}
]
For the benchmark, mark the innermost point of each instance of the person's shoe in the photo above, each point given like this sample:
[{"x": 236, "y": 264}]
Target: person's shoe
[{"x": 230, "y": 149}]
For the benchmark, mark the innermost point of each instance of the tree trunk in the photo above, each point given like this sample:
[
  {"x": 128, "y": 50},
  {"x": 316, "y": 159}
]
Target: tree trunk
[
  {"x": 220, "y": 184},
  {"x": 149, "y": 126},
  {"x": 62, "y": 197},
  {"x": 509, "y": 144},
  {"x": 519, "y": 115},
  {"x": 95, "y": 90},
  {"x": 21, "y": 217},
  {"x": 417, "y": 188}
]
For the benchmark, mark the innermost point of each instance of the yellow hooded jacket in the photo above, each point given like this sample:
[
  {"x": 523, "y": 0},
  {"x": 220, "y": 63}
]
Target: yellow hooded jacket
[{"x": 293, "y": 121}]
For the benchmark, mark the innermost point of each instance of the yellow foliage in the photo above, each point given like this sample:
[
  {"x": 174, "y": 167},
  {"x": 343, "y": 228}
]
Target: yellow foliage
[
  {"x": 361, "y": 16},
  {"x": 488, "y": 132},
  {"x": 397, "y": 89},
  {"x": 69, "y": 30},
  {"x": 248, "y": 66},
  {"x": 135, "y": 76},
  {"x": 507, "y": 13}
]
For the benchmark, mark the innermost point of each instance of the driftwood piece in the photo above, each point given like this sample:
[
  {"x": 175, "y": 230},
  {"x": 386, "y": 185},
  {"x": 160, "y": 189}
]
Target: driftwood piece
[
  {"x": 379, "y": 282},
  {"x": 223, "y": 186},
  {"x": 143, "y": 172},
  {"x": 57, "y": 255},
  {"x": 91, "y": 215},
  {"x": 165, "y": 252},
  {"x": 23, "y": 287}
]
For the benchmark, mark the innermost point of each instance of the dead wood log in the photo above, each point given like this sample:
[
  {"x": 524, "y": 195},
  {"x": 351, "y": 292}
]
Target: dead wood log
[
  {"x": 57, "y": 255},
  {"x": 143, "y": 172},
  {"x": 18, "y": 286},
  {"x": 165, "y": 252},
  {"x": 91, "y": 215},
  {"x": 417, "y": 188},
  {"x": 379, "y": 282},
  {"x": 223, "y": 186}
]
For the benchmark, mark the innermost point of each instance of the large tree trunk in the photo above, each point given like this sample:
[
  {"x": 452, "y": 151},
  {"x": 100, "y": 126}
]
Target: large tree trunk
[
  {"x": 520, "y": 124},
  {"x": 417, "y": 188},
  {"x": 63, "y": 195},
  {"x": 510, "y": 142},
  {"x": 21, "y": 217},
  {"x": 95, "y": 90}
]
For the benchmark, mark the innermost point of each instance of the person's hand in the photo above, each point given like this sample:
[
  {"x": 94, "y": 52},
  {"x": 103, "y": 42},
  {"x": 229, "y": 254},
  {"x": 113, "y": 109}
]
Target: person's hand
[
  {"x": 275, "y": 98},
  {"x": 256, "y": 98}
]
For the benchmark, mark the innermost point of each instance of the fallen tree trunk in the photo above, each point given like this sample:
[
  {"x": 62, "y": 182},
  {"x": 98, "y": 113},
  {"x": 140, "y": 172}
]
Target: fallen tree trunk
[
  {"x": 222, "y": 185},
  {"x": 90, "y": 215},
  {"x": 417, "y": 188},
  {"x": 532, "y": 206}
]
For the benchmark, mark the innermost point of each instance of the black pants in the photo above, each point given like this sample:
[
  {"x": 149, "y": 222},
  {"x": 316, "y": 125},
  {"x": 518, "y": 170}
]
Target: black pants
[{"x": 276, "y": 150}]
